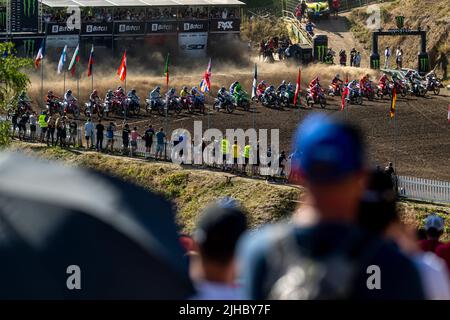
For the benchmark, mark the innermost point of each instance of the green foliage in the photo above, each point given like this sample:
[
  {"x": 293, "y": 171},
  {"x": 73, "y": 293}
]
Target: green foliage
[{"x": 13, "y": 80}]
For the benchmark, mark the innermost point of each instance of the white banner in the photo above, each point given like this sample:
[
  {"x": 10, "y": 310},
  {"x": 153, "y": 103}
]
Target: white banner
[
  {"x": 60, "y": 41},
  {"x": 193, "y": 44}
]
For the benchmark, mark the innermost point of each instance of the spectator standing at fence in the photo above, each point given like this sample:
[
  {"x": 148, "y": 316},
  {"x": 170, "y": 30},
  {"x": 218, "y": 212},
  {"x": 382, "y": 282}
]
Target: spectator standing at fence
[
  {"x": 33, "y": 122},
  {"x": 282, "y": 163},
  {"x": 324, "y": 235},
  {"x": 99, "y": 135},
  {"x": 235, "y": 152},
  {"x": 89, "y": 133},
  {"x": 134, "y": 141},
  {"x": 434, "y": 228},
  {"x": 160, "y": 142},
  {"x": 110, "y": 136},
  {"x": 43, "y": 125},
  {"x": 357, "y": 60},
  {"x": 148, "y": 137},
  {"x": 399, "y": 57},
  {"x": 387, "y": 56},
  {"x": 23, "y": 126},
  {"x": 336, "y": 5},
  {"x": 73, "y": 131},
  {"x": 443, "y": 251},
  {"x": 217, "y": 233},
  {"x": 247, "y": 149},
  {"x": 303, "y": 8},
  {"x": 15, "y": 123},
  {"x": 343, "y": 58},
  {"x": 225, "y": 147},
  {"x": 51, "y": 122},
  {"x": 125, "y": 138},
  {"x": 352, "y": 57},
  {"x": 389, "y": 170}
]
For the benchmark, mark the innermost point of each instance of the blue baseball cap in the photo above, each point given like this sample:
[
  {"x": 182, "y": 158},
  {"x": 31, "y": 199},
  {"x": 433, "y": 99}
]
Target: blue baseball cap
[{"x": 327, "y": 149}]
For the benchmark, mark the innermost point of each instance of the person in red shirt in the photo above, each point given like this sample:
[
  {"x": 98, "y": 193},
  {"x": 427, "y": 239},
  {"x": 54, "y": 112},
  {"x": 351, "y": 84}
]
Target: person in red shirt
[
  {"x": 382, "y": 81},
  {"x": 434, "y": 228},
  {"x": 443, "y": 251},
  {"x": 336, "y": 4}
]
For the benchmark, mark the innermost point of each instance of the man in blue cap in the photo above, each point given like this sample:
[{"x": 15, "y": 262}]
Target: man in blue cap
[{"x": 323, "y": 254}]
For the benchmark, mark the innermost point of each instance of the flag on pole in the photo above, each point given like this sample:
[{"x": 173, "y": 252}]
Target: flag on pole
[
  {"x": 40, "y": 55},
  {"x": 345, "y": 93},
  {"x": 448, "y": 115},
  {"x": 393, "y": 101},
  {"x": 205, "y": 84},
  {"x": 62, "y": 59},
  {"x": 166, "y": 70},
  {"x": 255, "y": 80},
  {"x": 297, "y": 87},
  {"x": 91, "y": 61},
  {"x": 74, "y": 61},
  {"x": 122, "y": 71}
]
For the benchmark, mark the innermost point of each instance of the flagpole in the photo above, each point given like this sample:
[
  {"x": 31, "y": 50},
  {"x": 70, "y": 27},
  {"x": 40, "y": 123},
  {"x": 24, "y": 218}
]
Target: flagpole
[
  {"x": 42, "y": 81},
  {"x": 64, "y": 82}
]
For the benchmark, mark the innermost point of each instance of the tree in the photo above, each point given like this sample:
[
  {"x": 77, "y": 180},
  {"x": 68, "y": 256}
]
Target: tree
[{"x": 13, "y": 80}]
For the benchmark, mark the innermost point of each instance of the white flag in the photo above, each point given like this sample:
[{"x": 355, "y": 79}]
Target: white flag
[{"x": 62, "y": 59}]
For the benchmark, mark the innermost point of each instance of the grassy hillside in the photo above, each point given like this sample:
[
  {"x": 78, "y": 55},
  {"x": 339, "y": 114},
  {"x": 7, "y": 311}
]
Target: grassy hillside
[
  {"x": 191, "y": 190},
  {"x": 431, "y": 15}
]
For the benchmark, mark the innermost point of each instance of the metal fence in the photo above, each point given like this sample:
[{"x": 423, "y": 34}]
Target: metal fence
[
  {"x": 424, "y": 189},
  {"x": 346, "y": 5}
]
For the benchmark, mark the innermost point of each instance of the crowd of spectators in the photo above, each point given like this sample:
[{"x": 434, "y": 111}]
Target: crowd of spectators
[{"x": 59, "y": 15}]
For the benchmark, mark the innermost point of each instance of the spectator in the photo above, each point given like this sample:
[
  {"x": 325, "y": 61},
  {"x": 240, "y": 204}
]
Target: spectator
[
  {"x": 303, "y": 8},
  {"x": 134, "y": 137},
  {"x": 277, "y": 259},
  {"x": 357, "y": 60},
  {"x": 342, "y": 58},
  {"x": 399, "y": 57},
  {"x": 148, "y": 137},
  {"x": 443, "y": 251},
  {"x": 110, "y": 136},
  {"x": 126, "y": 138},
  {"x": 33, "y": 122},
  {"x": 43, "y": 125},
  {"x": 335, "y": 5},
  {"x": 99, "y": 130},
  {"x": 387, "y": 56},
  {"x": 160, "y": 143},
  {"x": 352, "y": 57},
  {"x": 282, "y": 163},
  {"x": 218, "y": 230},
  {"x": 389, "y": 170},
  {"x": 51, "y": 129},
  {"x": 89, "y": 133},
  {"x": 73, "y": 130},
  {"x": 15, "y": 123},
  {"x": 235, "y": 152},
  {"x": 310, "y": 28},
  {"x": 434, "y": 228},
  {"x": 23, "y": 126},
  {"x": 378, "y": 214}
]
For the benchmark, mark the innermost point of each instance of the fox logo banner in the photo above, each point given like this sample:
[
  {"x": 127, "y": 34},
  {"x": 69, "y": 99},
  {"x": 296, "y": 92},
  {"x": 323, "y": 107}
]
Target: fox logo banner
[
  {"x": 225, "y": 25},
  {"x": 400, "y": 20}
]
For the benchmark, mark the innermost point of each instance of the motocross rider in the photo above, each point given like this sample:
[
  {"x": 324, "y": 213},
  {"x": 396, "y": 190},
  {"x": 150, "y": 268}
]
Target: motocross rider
[
  {"x": 184, "y": 92},
  {"x": 270, "y": 93},
  {"x": 155, "y": 96},
  {"x": 119, "y": 93},
  {"x": 282, "y": 86},
  {"x": 314, "y": 87},
  {"x": 382, "y": 82},
  {"x": 352, "y": 87},
  {"x": 261, "y": 88},
  {"x": 133, "y": 96},
  {"x": 233, "y": 86},
  {"x": 69, "y": 98},
  {"x": 94, "y": 98},
  {"x": 170, "y": 94},
  {"x": 335, "y": 82},
  {"x": 222, "y": 96}
]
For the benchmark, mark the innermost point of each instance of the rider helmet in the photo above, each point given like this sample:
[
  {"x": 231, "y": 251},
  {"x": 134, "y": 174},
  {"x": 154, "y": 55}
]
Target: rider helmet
[
  {"x": 185, "y": 88},
  {"x": 222, "y": 89},
  {"x": 337, "y": 76},
  {"x": 133, "y": 91},
  {"x": 283, "y": 82},
  {"x": 157, "y": 89},
  {"x": 119, "y": 88},
  {"x": 50, "y": 92},
  {"x": 95, "y": 91},
  {"x": 69, "y": 91}
]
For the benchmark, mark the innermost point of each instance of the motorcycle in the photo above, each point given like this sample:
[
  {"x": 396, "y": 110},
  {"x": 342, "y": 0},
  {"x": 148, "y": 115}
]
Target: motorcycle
[
  {"x": 368, "y": 91},
  {"x": 133, "y": 106},
  {"x": 434, "y": 84},
  {"x": 90, "y": 110},
  {"x": 24, "y": 107},
  {"x": 384, "y": 90},
  {"x": 54, "y": 106},
  {"x": 241, "y": 100},
  {"x": 419, "y": 88},
  {"x": 401, "y": 87},
  {"x": 355, "y": 96},
  {"x": 284, "y": 98},
  {"x": 72, "y": 107},
  {"x": 172, "y": 103},
  {"x": 335, "y": 90},
  {"x": 227, "y": 104},
  {"x": 198, "y": 102},
  {"x": 270, "y": 100},
  {"x": 117, "y": 106},
  {"x": 319, "y": 98}
]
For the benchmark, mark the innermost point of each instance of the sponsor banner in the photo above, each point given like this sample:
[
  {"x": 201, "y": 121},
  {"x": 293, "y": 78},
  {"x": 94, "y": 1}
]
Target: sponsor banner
[
  {"x": 129, "y": 28},
  {"x": 27, "y": 47},
  {"x": 2, "y": 19},
  {"x": 193, "y": 26},
  {"x": 162, "y": 27},
  {"x": 225, "y": 25},
  {"x": 61, "y": 41},
  {"x": 24, "y": 15},
  {"x": 193, "y": 44},
  {"x": 88, "y": 29},
  {"x": 60, "y": 28}
]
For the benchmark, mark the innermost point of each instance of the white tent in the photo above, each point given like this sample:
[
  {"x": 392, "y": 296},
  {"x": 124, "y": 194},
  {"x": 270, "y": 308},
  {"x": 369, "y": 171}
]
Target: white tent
[{"x": 139, "y": 3}]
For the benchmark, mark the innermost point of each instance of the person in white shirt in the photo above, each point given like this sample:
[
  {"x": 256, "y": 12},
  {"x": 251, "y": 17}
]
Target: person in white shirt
[
  {"x": 399, "y": 57},
  {"x": 218, "y": 230},
  {"x": 387, "y": 56}
]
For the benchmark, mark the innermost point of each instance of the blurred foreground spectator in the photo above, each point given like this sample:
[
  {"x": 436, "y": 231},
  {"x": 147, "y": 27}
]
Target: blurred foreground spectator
[
  {"x": 124, "y": 246},
  {"x": 324, "y": 254},
  {"x": 218, "y": 230},
  {"x": 434, "y": 228}
]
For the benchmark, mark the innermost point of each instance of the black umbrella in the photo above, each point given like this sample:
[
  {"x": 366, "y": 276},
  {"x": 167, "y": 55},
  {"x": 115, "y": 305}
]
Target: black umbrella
[{"x": 62, "y": 227}]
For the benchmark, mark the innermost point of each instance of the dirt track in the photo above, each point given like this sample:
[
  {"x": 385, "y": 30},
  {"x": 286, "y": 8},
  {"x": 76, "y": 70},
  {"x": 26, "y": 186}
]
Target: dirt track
[{"x": 423, "y": 134}]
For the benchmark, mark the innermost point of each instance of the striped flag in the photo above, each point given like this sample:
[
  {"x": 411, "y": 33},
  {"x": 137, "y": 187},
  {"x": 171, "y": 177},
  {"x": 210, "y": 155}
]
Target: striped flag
[
  {"x": 297, "y": 87},
  {"x": 205, "y": 84},
  {"x": 74, "y": 61},
  {"x": 393, "y": 101},
  {"x": 345, "y": 93},
  {"x": 91, "y": 61},
  {"x": 40, "y": 55},
  {"x": 166, "y": 70},
  {"x": 122, "y": 71},
  {"x": 62, "y": 60},
  {"x": 255, "y": 81}
]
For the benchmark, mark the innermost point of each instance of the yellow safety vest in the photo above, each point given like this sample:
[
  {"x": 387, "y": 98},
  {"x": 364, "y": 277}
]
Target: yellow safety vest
[
  {"x": 224, "y": 146},
  {"x": 247, "y": 151},
  {"x": 235, "y": 151},
  {"x": 42, "y": 122}
]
